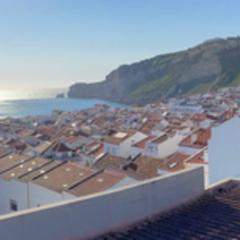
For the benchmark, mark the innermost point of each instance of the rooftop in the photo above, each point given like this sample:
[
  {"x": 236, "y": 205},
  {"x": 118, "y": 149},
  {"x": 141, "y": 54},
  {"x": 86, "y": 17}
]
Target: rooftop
[
  {"x": 100, "y": 182},
  {"x": 144, "y": 167},
  {"x": 198, "y": 139},
  {"x": 142, "y": 143},
  {"x": 11, "y": 160},
  {"x": 4, "y": 151},
  {"x": 63, "y": 176},
  {"x": 23, "y": 168},
  {"x": 50, "y": 165},
  {"x": 119, "y": 137},
  {"x": 43, "y": 147},
  {"x": 212, "y": 217},
  {"x": 160, "y": 139},
  {"x": 110, "y": 161}
]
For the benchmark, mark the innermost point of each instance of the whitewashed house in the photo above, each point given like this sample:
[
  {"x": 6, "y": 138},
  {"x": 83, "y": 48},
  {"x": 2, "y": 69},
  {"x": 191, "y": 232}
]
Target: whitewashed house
[
  {"x": 33, "y": 182},
  {"x": 120, "y": 143},
  {"x": 223, "y": 149},
  {"x": 195, "y": 141},
  {"x": 162, "y": 146}
]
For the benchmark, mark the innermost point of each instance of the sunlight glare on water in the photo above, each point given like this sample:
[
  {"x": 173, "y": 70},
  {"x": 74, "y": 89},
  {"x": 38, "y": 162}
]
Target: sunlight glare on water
[
  {"x": 29, "y": 94},
  {"x": 41, "y": 102}
]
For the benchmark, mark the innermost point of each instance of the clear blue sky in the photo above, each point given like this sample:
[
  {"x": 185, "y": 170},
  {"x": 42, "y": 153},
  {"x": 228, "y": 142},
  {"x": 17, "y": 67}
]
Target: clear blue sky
[{"x": 53, "y": 43}]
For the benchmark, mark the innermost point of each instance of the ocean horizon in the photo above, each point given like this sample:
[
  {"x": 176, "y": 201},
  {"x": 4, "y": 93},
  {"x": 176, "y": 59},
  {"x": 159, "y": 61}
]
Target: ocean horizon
[{"x": 22, "y": 103}]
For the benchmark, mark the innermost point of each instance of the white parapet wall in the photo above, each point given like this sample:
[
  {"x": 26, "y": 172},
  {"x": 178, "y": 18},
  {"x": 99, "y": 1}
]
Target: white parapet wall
[
  {"x": 101, "y": 213},
  {"x": 223, "y": 151}
]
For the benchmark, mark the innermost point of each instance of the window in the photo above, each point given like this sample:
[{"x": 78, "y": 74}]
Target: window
[
  {"x": 13, "y": 205},
  {"x": 108, "y": 149},
  {"x": 114, "y": 151}
]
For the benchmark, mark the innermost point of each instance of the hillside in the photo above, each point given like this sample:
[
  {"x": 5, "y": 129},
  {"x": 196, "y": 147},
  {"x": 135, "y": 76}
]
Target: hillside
[{"x": 208, "y": 66}]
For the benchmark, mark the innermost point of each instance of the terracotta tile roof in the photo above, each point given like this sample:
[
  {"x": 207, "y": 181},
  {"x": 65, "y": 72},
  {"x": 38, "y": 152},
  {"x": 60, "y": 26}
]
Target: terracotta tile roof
[
  {"x": 142, "y": 143},
  {"x": 44, "y": 146},
  {"x": 70, "y": 139},
  {"x": 211, "y": 217},
  {"x": 26, "y": 132},
  {"x": 174, "y": 163},
  {"x": 197, "y": 159},
  {"x": 61, "y": 148},
  {"x": 198, "y": 139},
  {"x": 119, "y": 137},
  {"x": 100, "y": 182},
  {"x": 40, "y": 171},
  {"x": 144, "y": 167},
  {"x": 147, "y": 167},
  {"x": 199, "y": 117},
  {"x": 11, "y": 160},
  {"x": 47, "y": 130},
  {"x": 147, "y": 127},
  {"x": 62, "y": 177},
  {"x": 20, "y": 169},
  {"x": 160, "y": 139},
  {"x": 4, "y": 151},
  {"x": 110, "y": 161},
  {"x": 96, "y": 151}
]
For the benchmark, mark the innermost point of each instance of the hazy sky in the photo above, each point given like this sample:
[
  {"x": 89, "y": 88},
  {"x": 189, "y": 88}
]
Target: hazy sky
[{"x": 53, "y": 43}]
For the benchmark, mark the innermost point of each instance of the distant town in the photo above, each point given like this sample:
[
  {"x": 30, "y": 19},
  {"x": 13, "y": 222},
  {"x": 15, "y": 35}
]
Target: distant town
[{"x": 71, "y": 154}]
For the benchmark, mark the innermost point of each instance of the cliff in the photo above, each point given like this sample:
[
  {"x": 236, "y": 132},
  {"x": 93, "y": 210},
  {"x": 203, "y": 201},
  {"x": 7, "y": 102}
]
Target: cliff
[{"x": 208, "y": 66}]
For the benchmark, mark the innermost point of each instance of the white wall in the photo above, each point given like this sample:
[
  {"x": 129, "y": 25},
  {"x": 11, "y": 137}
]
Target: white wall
[
  {"x": 136, "y": 151},
  {"x": 14, "y": 190},
  {"x": 188, "y": 150},
  {"x": 165, "y": 148},
  {"x": 86, "y": 217},
  {"x": 224, "y": 151},
  {"x": 40, "y": 196},
  {"x": 111, "y": 148},
  {"x": 124, "y": 182},
  {"x": 186, "y": 108},
  {"x": 27, "y": 195},
  {"x": 124, "y": 149}
]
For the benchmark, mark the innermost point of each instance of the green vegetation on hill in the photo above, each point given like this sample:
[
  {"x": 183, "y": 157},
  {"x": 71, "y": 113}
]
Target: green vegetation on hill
[
  {"x": 209, "y": 66},
  {"x": 151, "y": 87},
  {"x": 236, "y": 81}
]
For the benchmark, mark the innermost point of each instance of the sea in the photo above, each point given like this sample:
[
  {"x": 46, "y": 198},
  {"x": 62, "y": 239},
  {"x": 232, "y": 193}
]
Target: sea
[{"x": 34, "y": 102}]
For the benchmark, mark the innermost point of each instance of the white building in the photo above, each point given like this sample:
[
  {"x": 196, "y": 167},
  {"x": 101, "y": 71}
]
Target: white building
[
  {"x": 162, "y": 146},
  {"x": 92, "y": 216},
  {"x": 195, "y": 141},
  {"x": 120, "y": 144},
  {"x": 33, "y": 182},
  {"x": 224, "y": 147},
  {"x": 185, "y": 108}
]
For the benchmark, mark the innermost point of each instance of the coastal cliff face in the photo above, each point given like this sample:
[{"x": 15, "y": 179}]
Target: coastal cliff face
[{"x": 209, "y": 66}]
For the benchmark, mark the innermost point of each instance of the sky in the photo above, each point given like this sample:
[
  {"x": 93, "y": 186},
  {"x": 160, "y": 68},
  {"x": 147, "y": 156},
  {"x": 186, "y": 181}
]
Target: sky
[{"x": 54, "y": 43}]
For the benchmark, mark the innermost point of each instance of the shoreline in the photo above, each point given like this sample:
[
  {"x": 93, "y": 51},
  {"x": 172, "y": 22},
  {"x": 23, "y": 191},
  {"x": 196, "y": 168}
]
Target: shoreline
[{"x": 20, "y": 108}]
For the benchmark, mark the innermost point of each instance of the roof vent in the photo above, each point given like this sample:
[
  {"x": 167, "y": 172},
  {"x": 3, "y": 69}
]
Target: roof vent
[
  {"x": 100, "y": 180},
  {"x": 13, "y": 174},
  {"x": 172, "y": 165},
  {"x": 45, "y": 177}
]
